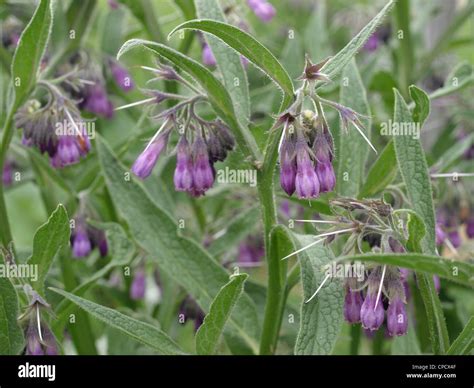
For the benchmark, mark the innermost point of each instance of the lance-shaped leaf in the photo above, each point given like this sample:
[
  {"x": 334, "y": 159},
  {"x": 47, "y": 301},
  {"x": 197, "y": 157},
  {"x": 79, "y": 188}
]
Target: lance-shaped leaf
[
  {"x": 343, "y": 57},
  {"x": 228, "y": 62},
  {"x": 414, "y": 171},
  {"x": 48, "y": 240},
  {"x": 352, "y": 146},
  {"x": 321, "y": 317},
  {"x": 140, "y": 331},
  {"x": 207, "y": 337},
  {"x": 464, "y": 343},
  {"x": 11, "y": 335},
  {"x": 249, "y": 47},
  {"x": 181, "y": 258},
  {"x": 30, "y": 50},
  {"x": 456, "y": 271},
  {"x": 218, "y": 95}
]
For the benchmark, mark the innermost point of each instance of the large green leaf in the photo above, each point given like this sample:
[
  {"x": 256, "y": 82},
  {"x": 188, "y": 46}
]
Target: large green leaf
[
  {"x": 48, "y": 240},
  {"x": 456, "y": 271},
  {"x": 352, "y": 153},
  {"x": 181, "y": 258},
  {"x": 140, "y": 331},
  {"x": 464, "y": 343},
  {"x": 228, "y": 62},
  {"x": 207, "y": 337},
  {"x": 343, "y": 57},
  {"x": 30, "y": 50},
  {"x": 414, "y": 171},
  {"x": 249, "y": 47},
  {"x": 11, "y": 335},
  {"x": 321, "y": 318},
  {"x": 218, "y": 95}
]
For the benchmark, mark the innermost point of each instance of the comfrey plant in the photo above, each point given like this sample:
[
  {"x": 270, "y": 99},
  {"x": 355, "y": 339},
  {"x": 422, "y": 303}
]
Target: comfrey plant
[{"x": 333, "y": 227}]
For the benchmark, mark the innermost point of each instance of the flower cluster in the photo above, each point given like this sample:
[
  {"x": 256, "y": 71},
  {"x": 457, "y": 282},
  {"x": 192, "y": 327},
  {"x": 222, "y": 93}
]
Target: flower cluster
[
  {"x": 200, "y": 145},
  {"x": 367, "y": 305},
  {"x": 306, "y": 154},
  {"x": 56, "y": 129}
]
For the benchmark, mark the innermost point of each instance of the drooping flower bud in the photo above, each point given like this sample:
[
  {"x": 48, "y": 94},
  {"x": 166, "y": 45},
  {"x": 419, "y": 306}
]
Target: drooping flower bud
[
  {"x": 352, "y": 305},
  {"x": 203, "y": 174},
  {"x": 96, "y": 100},
  {"x": 288, "y": 166},
  {"x": 306, "y": 182},
  {"x": 208, "y": 57},
  {"x": 470, "y": 227},
  {"x": 324, "y": 168},
  {"x": 372, "y": 313},
  {"x": 397, "y": 322},
  {"x": 40, "y": 340},
  {"x": 183, "y": 174},
  {"x": 146, "y": 161},
  {"x": 81, "y": 243},
  {"x": 121, "y": 76},
  {"x": 138, "y": 286},
  {"x": 262, "y": 9},
  {"x": 7, "y": 174}
]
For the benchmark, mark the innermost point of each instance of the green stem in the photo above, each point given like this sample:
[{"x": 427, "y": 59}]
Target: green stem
[
  {"x": 276, "y": 269},
  {"x": 405, "y": 51}
]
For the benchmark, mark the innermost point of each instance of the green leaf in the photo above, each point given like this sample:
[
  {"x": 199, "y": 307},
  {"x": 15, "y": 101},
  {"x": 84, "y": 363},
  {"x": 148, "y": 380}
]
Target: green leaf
[
  {"x": 381, "y": 174},
  {"x": 140, "y": 331},
  {"x": 456, "y": 271},
  {"x": 343, "y": 57},
  {"x": 236, "y": 230},
  {"x": 462, "y": 76},
  {"x": 321, "y": 318},
  {"x": 452, "y": 154},
  {"x": 78, "y": 16},
  {"x": 416, "y": 232},
  {"x": 228, "y": 62},
  {"x": 249, "y": 47},
  {"x": 11, "y": 335},
  {"x": 216, "y": 92},
  {"x": 464, "y": 343},
  {"x": 181, "y": 258},
  {"x": 414, "y": 171},
  {"x": 352, "y": 153},
  {"x": 421, "y": 110},
  {"x": 207, "y": 337},
  {"x": 30, "y": 50},
  {"x": 48, "y": 240}
]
